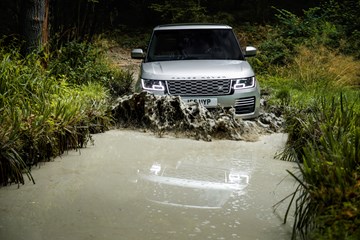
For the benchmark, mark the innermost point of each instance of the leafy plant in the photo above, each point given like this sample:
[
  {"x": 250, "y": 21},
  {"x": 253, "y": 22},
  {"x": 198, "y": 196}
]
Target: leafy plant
[
  {"x": 344, "y": 15},
  {"x": 80, "y": 63},
  {"x": 43, "y": 116},
  {"x": 12, "y": 165},
  {"x": 121, "y": 83},
  {"x": 325, "y": 140},
  {"x": 180, "y": 11}
]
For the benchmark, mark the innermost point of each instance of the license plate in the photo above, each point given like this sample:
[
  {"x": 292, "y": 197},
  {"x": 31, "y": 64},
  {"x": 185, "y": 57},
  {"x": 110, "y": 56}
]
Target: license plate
[{"x": 206, "y": 102}]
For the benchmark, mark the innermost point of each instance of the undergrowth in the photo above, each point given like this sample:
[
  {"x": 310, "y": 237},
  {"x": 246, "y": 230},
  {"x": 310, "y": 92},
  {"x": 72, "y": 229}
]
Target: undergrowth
[
  {"x": 316, "y": 82},
  {"x": 319, "y": 92},
  {"x": 324, "y": 138},
  {"x": 43, "y": 113}
]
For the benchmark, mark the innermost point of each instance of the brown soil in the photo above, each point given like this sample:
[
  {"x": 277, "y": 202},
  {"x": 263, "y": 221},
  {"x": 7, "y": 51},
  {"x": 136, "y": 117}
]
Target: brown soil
[{"x": 121, "y": 58}]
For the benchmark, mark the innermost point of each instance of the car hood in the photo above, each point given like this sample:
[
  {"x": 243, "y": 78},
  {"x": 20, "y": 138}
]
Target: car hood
[{"x": 196, "y": 69}]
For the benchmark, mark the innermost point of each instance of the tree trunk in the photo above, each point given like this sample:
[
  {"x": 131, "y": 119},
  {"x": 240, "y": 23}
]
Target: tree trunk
[
  {"x": 45, "y": 26},
  {"x": 36, "y": 27}
]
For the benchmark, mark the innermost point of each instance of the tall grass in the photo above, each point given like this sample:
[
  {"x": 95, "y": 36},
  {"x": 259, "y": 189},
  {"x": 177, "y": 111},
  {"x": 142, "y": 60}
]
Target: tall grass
[
  {"x": 313, "y": 72},
  {"x": 302, "y": 64},
  {"x": 319, "y": 92},
  {"x": 42, "y": 115},
  {"x": 323, "y": 125},
  {"x": 81, "y": 63},
  {"x": 325, "y": 140},
  {"x": 322, "y": 67}
]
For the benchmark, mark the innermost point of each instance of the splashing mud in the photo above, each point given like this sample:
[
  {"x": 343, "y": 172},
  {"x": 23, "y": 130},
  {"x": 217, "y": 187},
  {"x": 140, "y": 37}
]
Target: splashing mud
[{"x": 170, "y": 115}]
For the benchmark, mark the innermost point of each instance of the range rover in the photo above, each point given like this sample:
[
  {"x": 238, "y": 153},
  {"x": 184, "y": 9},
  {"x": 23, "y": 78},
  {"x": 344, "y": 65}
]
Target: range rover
[{"x": 200, "y": 63}]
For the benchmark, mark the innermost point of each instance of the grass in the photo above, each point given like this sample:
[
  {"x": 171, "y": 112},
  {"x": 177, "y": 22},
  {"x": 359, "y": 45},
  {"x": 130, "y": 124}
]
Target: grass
[
  {"x": 322, "y": 67},
  {"x": 53, "y": 103},
  {"x": 317, "y": 88},
  {"x": 325, "y": 140},
  {"x": 312, "y": 73},
  {"x": 321, "y": 100},
  {"x": 43, "y": 114}
]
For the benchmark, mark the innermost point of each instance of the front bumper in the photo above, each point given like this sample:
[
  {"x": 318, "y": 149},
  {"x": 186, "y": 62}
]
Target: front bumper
[{"x": 246, "y": 101}]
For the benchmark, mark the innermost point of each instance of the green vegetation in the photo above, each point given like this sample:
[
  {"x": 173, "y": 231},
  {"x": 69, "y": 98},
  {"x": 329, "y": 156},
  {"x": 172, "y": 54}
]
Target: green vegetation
[
  {"x": 180, "y": 11},
  {"x": 82, "y": 63},
  {"x": 307, "y": 65},
  {"x": 45, "y": 112},
  {"x": 50, "y": 103},
  {"x": 324, "y": 138}
]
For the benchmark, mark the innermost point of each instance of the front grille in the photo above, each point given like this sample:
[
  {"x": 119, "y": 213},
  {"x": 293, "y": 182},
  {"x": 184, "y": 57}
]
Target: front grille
[
  {"x": 199, "y": 87},
  {"x": 245, "y": 105}
]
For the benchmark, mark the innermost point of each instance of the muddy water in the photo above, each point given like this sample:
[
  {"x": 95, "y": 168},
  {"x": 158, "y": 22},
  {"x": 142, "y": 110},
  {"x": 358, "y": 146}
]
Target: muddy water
[{"x": 132, "y": 185}]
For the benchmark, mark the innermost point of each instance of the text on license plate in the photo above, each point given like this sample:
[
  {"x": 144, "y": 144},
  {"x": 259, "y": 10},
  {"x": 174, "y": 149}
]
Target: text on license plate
[{"x": 207, "y": 102}]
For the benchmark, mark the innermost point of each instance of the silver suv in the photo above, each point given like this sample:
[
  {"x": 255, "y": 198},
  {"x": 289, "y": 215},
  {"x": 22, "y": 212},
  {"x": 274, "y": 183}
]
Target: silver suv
[{"x": 200, "y": 63}]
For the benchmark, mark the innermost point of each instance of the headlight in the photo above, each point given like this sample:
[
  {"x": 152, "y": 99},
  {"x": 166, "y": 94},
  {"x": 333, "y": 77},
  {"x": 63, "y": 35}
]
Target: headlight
[
  {"x": 154, "y": 85},
  {"x": 242, "y": 83}
]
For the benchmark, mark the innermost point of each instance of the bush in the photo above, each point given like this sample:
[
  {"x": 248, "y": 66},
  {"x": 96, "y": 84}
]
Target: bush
[
  {"x": 80, "y": 63},
  {"x": 345, "y": 16},
  {"x": 326, "y": 139},
  {"x": 311, "y": 30},
  {"x": 180, "y": 11},
  {"x": 121, "y": 83},
  {"x": 43, "y": 116},
  {"x": 352, "y": 44},
  {"x": 83, "y": 63},
  {"x": 322, "y": 68},
  {"x": 272, "y": 53},
  {"x": 312, "y": 73}
]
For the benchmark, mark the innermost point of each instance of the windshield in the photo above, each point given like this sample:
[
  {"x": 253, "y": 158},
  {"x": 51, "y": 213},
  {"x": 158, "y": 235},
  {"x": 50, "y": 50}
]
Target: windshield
[{"x": 167, "y": 45}]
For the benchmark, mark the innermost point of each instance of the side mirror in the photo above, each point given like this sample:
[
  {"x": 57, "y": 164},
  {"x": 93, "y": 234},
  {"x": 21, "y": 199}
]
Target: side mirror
[
  {"x": 250, "y": 51},
  {"x": 137, "y": 53}
]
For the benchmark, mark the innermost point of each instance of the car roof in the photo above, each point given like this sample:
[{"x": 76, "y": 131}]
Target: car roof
[{"x": 181, "y": 26}]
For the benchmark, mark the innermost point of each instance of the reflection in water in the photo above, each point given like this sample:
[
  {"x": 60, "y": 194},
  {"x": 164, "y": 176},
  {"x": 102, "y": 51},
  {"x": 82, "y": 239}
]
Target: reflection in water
[{"x": 191, "y": 186}]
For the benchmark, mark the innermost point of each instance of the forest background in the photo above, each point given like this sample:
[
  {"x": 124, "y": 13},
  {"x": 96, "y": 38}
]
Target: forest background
[{"x": 57, "y": 86}]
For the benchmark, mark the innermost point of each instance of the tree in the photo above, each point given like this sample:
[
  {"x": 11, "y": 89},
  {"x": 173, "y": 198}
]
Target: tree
[
  {"x": 173, "y": 11},
  {"x": 35, "y": 24}
]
